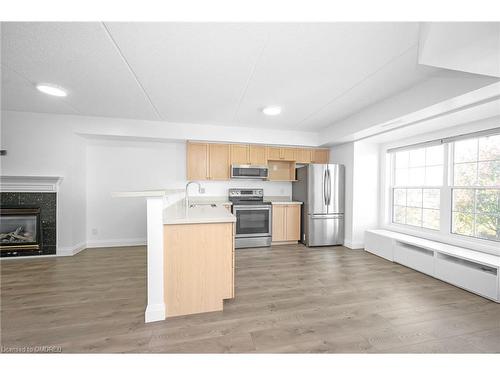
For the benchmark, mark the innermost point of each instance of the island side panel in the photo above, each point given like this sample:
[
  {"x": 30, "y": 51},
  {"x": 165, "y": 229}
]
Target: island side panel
[
  {"x": 198, "y": 265},
  {"x": 155, "y": 309}
]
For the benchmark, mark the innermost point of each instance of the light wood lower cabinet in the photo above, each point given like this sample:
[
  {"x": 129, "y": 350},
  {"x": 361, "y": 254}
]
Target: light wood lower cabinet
[
  {"x": 286, "y": 222},
  {"x": 198, "y": 267},
  {"x": 293, "y": 222},
  {"x": 279, "y": 223}
]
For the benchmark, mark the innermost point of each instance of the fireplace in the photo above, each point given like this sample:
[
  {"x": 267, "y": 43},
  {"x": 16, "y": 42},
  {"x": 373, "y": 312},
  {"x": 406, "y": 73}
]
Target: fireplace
[
  {"x": 20, "y": 229},
  {"x": 28, "y": 224}
]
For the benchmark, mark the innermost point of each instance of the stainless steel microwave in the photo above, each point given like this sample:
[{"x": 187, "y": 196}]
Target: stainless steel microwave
[{"x": 245, "y": 171}]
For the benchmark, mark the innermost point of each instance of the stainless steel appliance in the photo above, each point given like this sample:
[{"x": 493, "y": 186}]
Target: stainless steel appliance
[
  {"x": 253, "y": 218},
  {"x": 245, "y": 171},
  {"x": 321, "y": 188}
]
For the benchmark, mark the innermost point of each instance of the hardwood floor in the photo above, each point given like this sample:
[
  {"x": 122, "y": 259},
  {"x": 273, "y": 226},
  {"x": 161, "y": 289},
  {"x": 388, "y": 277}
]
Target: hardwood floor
[{"x": 289, "y": 299}]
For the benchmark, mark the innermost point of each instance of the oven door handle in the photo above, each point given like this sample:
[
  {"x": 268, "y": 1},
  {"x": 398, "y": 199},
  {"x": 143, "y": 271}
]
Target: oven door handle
[{"x": 252, "y": 207}]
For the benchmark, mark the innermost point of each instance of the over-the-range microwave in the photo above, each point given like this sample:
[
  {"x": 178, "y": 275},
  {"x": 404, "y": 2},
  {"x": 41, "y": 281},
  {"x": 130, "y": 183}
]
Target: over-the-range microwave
[{"x": 246, "y": 171}]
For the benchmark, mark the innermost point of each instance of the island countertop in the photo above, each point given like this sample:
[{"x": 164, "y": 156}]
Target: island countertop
[{"x": 178, "y": 213}]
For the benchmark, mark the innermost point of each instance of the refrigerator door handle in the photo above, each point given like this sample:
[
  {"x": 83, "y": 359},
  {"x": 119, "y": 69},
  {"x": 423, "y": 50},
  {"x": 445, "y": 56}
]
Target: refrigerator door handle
[
  {"x": 325, "y": 198},
  {"x": 329, "y": 186}
]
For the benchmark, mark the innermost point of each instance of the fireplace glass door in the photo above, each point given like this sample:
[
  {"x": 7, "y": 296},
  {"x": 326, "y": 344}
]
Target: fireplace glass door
[{"x": 19, "y": 229}]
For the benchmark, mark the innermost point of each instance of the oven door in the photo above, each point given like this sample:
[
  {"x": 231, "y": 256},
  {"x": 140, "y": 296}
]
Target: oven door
[{"x": 253, "y": 221}]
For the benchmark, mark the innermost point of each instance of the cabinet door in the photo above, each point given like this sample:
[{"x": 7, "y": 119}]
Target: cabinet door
[
  {"x": 197, "y": 161},
  {"x": 273, "y": 153},
  {"x": 293, "y": 222},
  {"x": 279, "y": 222},
  {"x": 288, "y": 153},
  {"x": 239, "y": 154},
  {"x": 321, "y": 156},
  {"x": 303, "y": 155},
  {"x": 219, "y": 161},
  {"x": 258, "y": 155}
]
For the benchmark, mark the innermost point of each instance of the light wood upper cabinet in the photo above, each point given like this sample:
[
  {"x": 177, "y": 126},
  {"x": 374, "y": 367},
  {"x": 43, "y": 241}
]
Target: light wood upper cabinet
[
  {"x": 212, "y": 161},
  {"x": 293, "y": 222},
  {"x": 219, "y": 162},
  {"x": 197, "y": 161},
  {"x": 240, "y": 154},
  {"x": 321, "y": 155},
  {"x": 273, "y": 153},
  {"x": 258, "y": 155},
  {"x": 280, "y": 170},
  {"x": 281, "y": 153},
  {"x": 279, "y": 222},
  {"x": 303, "y": 155},
  {"x": 286, "y": 222},
  {"x": 208, "y": 161},
  {"x": 287, "y": 153}
]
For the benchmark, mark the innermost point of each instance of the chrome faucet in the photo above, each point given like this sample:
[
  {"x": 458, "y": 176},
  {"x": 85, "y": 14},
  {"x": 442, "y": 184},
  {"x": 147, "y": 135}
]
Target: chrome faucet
[{"x": 201, "y": 190}]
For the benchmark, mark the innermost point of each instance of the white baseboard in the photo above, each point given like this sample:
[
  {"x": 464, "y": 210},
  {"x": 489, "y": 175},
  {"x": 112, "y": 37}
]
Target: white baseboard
[
  {"x": 117, "y": 242},
  {"x": 70, "y": 250},
  {"x": 354, "y": 246},
  {"x": 155, "y": 313},
  {"x": 65, "y": 251}
]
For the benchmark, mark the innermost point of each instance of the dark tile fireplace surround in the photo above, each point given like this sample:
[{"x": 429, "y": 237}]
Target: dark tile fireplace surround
[{"x": 39, "y": 210}]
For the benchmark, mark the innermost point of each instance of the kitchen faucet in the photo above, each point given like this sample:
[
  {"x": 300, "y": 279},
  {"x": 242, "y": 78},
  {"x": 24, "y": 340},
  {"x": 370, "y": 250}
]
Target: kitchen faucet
[{"x": 201, "y": 190}]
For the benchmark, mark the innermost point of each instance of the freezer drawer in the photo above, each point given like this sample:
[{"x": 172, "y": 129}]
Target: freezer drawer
[{"x": 325, "y": 230}]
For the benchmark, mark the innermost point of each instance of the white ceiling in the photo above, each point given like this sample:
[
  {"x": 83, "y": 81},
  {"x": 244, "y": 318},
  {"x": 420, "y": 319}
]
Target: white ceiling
[{"x": 212, "y": 73}]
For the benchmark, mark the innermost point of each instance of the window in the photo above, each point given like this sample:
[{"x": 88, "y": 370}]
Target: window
[
  {"x": 451, "y": 186},
  {"x": 417, "y": 180},
  {"x": 476, "y": 188}
]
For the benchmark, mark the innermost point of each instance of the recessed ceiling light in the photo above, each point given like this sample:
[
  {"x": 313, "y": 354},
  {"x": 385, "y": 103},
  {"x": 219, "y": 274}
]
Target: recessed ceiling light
[
  {"x": 51, "y": 90},
  {"x": 272, "y": 110}
]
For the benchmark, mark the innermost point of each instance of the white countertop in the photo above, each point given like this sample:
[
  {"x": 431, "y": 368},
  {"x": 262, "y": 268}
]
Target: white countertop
[
  {"x": 280, "y": 200},
  {"x": 224, "y": 200},
  {"x": 146, "y": 193},
  {"x": 178, "y": 213},
  {"x": 201, "y": 199}
]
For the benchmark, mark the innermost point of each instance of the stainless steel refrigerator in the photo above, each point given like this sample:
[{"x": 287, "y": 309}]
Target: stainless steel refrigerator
[{"x": 321, "y": 188}]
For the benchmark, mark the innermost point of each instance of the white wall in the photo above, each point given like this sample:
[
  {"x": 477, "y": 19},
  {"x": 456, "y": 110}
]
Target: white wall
[
  {"x": 37, "y": 146},
  {"x": 361, "y": 160},
  {"x": 344, "y": 154},
  {"x": 96, "y": 156},
  {"x": 365, "y": 191},
  {"x": 138, "y": 165}
]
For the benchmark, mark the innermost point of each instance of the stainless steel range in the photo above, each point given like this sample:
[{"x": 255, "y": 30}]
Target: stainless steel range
[{"x": 253, "y": 218}]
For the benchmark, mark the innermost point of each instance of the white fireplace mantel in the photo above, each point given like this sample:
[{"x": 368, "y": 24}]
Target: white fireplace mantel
[{"x": 30, "y": 183}]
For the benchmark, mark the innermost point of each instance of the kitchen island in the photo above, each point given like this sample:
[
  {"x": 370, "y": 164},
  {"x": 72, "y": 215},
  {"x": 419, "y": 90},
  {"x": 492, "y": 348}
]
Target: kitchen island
[
  {"x": 198, "y": 244},
  {"x": 190, "y": 255}
]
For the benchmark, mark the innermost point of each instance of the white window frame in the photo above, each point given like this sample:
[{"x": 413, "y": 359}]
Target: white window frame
[
  {"x": 451, "y": 182},
  {"x": 441, "y": 188},
  {"x": 445, "y": 234}
]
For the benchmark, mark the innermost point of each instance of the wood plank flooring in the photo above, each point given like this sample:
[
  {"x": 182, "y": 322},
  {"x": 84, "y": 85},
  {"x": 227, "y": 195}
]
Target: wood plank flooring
[{"x": 289, "y": 299}]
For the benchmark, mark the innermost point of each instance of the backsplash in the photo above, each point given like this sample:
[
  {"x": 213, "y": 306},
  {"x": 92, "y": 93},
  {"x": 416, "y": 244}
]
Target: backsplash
[{"x": 220, "y": 188}]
